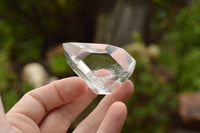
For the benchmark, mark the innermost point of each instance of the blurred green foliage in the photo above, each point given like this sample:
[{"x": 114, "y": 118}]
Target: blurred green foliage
[
  {"x": 184, "y": 37},
  {"x": 154, "y": 97},
  {"x": 58, "y": 66},
  {"x": 189, "y": 71},
  {"x": 24, "y": 27},
  {"x": 158, "y": 80},
  {"x": 185, "y": 31},
  {"x": 7, "y": 75}
]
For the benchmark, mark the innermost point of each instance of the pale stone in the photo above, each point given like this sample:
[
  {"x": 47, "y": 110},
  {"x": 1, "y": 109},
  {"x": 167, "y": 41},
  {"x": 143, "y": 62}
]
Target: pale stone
[{"x": 34, "y": 74}]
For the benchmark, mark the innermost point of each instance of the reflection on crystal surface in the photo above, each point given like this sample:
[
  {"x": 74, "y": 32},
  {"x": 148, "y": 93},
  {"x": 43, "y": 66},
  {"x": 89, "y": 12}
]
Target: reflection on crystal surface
[{"x": 104, "y": 67}]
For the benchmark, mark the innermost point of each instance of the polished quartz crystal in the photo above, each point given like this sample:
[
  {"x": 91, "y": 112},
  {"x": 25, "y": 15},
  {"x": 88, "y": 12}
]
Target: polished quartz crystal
[{"x": 104, "y": 67}]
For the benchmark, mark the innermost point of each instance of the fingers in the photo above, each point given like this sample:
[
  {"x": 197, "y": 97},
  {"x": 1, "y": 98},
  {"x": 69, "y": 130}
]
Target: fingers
[
  {"x": 4, "y": 124},
  {"x": 114, "y": 119},
  {"x": 59, "y": 120},
  {"x": 37, "y": 103},
  {"x": 92, "y": 122}
]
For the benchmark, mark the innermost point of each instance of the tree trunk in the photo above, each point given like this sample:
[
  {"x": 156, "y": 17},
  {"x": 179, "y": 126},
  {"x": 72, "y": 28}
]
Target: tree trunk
[{"x": 117, "y": 19}]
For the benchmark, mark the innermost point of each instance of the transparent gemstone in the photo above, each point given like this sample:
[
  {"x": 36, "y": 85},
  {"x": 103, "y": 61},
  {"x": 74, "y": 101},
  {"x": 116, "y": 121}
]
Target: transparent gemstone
[{"x": 104, "y": 67}]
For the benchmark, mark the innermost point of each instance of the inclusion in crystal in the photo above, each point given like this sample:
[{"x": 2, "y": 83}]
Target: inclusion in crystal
[{"x": 104, "y": 67}]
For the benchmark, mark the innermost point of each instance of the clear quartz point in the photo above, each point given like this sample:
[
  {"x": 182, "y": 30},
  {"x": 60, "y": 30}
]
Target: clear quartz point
[{"x": 104, "y": 67}]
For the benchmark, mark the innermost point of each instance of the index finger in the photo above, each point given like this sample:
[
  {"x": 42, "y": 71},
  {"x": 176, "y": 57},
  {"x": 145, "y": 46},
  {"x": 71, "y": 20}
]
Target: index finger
[{"x": 37, "y": 103}]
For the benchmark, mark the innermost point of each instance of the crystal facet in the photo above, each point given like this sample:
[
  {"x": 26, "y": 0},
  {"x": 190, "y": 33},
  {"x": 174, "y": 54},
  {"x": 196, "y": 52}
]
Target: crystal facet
[{"x": 104, "y": 67}]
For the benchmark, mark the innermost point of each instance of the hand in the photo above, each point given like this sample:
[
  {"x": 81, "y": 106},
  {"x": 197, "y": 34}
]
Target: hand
[{"x": 52, "y": 108}]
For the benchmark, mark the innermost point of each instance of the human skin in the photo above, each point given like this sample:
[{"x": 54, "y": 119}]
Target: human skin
[{"x": 52, "y": 109}]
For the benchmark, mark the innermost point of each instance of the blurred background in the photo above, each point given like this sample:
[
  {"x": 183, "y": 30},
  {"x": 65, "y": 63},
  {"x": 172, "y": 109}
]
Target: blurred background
[{"x": 162, "y": 35}]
